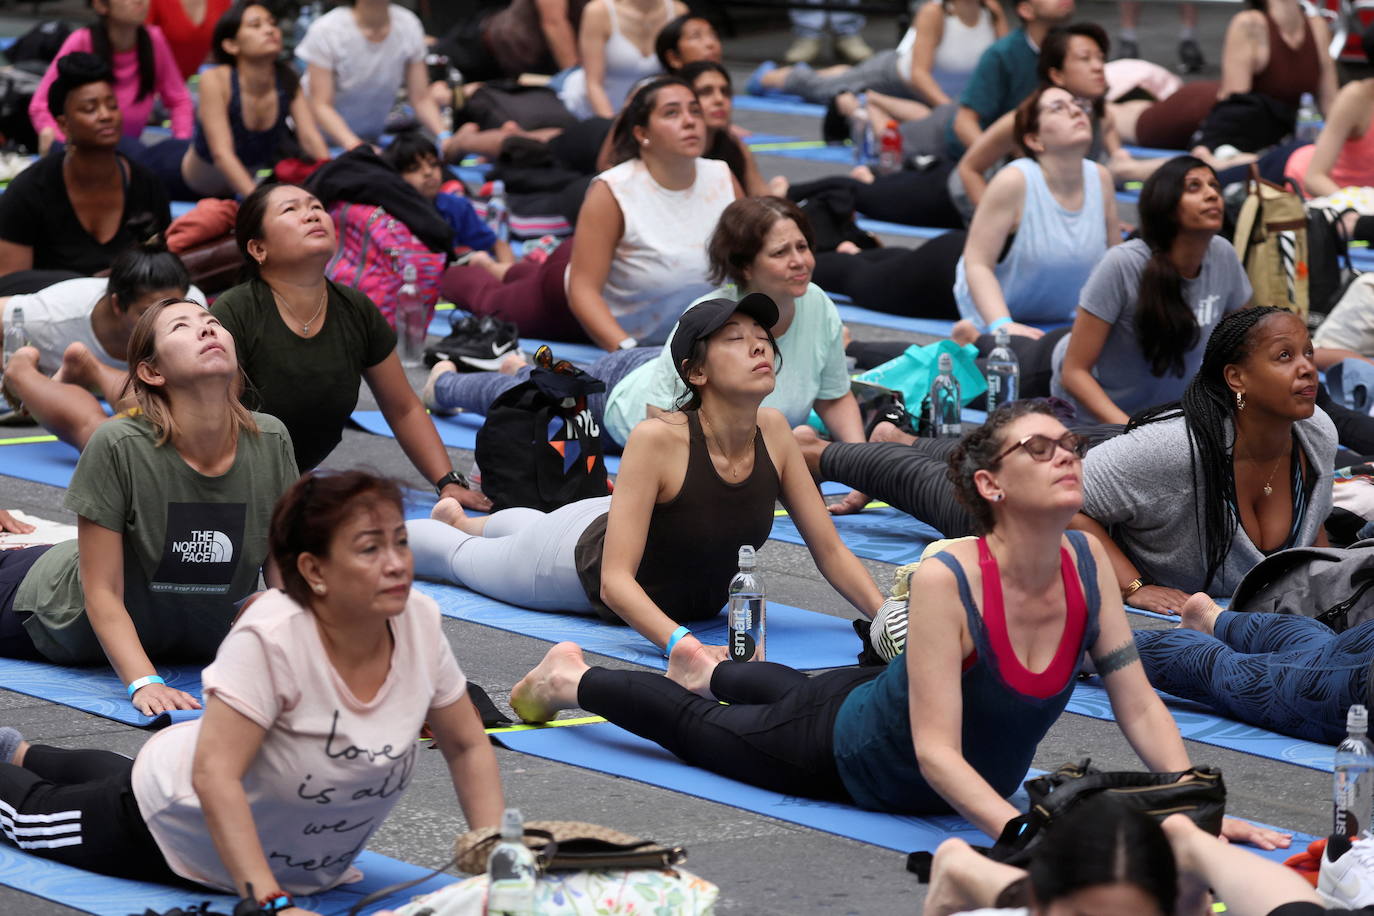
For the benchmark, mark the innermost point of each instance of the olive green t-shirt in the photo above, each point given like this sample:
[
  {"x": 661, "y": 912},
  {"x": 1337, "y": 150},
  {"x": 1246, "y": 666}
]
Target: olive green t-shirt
[
  {"x": 311, "y": 385},
  {"x": 193, "y": 545}
]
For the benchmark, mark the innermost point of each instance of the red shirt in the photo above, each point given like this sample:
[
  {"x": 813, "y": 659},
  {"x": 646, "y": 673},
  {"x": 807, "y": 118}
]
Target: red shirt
[{"x": 190, "y": 42}]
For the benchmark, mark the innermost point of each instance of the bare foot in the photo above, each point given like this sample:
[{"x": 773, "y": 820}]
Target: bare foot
[
  {"x": 512, "y": 363},
  {"x": 888, "y": 432},
  {"x": 811, "y": 445},
  {"x": 1199, "y": 613},
  {"x": 429, "y": 395},
  {"x": 551, "y": 686},
  {"x": 78, "y": 367},
  {"x": 964, "y": 332},
  {"x": 847, "y": 247},
  {"x": 22, "y": 362},
  {"x": 778, "y": 186},
  {"x": 692, "y": 664},
  {"x": 863, "y": 173},
  {"x": 449, "y": 511}
]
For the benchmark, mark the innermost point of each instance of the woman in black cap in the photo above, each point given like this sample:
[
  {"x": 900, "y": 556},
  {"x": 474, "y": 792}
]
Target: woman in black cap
[{"x": 694, "y": 485}]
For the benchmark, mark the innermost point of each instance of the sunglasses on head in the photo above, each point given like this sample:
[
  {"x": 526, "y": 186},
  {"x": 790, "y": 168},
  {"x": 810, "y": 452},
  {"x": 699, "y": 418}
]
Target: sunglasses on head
[{"x": 1041, "y": 448}]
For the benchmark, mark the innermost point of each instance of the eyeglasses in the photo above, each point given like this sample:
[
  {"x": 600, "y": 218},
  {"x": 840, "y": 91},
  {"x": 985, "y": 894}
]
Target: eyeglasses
[
  {"x": 1062, "y": 107},
  {"x": 1041, "y": 448}
]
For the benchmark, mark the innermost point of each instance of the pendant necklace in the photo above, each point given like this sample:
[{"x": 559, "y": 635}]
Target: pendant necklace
[{"x": 305, "y": 328}]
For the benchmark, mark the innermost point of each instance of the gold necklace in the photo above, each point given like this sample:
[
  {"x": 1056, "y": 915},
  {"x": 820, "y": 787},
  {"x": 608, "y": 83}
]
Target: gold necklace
[
  {"x": 730, "y": 462},
  {"x": 1268, "y": 489},
  {"x": 305, "y": 328}
]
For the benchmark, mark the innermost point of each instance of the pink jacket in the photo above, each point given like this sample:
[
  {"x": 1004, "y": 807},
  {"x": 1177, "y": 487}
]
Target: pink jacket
[{"x": 167, "y": 83}]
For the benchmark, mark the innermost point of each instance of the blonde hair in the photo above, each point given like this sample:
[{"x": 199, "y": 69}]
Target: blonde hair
[{"x": 153, "y": 400}]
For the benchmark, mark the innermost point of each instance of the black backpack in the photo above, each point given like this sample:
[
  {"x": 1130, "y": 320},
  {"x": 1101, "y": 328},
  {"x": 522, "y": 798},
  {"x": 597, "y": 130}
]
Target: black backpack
[{"x": 540, "y": 446}]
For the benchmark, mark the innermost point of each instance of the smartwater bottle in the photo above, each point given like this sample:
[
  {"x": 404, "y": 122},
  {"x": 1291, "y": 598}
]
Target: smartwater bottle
[
  {"x": 511, "y": 872},
  {"x": 747, "y": 609},
  {"x": 1003, "y": 372},
  {"x": 411, "y": 325},
  {"x": 498, "y": 213},
  {"x": 1309, "y": 121},
  {"x": 1353, "y": 794},
  {"x": 945, "y": 404},
  {"x": 15, "y": 338},
  {"x": 861, "y": 132}
]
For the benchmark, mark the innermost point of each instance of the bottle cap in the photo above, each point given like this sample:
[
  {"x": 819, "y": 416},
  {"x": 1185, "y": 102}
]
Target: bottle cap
[
  {"x": 512, "y": 824},
  {"x": 747, "y": 560},
  {"x": 1003, "y": 336},
  {"x": 408, "y": 273},
  {"x": 946, "y": 363},
  {"x": 498, "y": 187},
  {"x": 1357, "y": 719}
]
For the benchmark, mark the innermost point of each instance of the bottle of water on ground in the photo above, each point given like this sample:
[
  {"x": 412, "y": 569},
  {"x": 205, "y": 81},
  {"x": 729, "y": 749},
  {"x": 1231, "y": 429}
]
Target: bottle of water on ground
[
  {"x": 890, "y": 150},
  {"x": 411, "y": 320},
  {"x": 15, "y": 338},
  {"x": 747, "y": 609},
  {"x": 512, "y": 875},
  {"x": 861, "y": 132},
  {"x": 946, "y": 410},
  {"x": 1309, "y": 122},
  {"x": 1353, "y": 795},
  {"x": 498, "y": 213},
  {"x": 1003, "y": 372}
]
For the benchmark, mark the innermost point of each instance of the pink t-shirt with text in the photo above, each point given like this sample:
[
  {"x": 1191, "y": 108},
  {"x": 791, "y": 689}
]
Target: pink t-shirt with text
[{"x": 330, "y": 767}]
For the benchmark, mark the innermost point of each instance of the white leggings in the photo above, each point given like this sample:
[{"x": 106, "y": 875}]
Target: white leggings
[{"x": 523, "y": 557}]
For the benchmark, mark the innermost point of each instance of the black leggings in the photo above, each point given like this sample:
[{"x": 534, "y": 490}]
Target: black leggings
[
  {"x": 916, "y": 282},
  {"x": 77, "y": 807},
  {"x": 916, "y": 197},
  {"x": 775, "y": 734}
]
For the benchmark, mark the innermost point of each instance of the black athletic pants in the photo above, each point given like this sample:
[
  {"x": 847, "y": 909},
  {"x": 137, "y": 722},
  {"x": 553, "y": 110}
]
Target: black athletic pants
[
  {"x": 77, "y": 807},
  {"x": 776, "y": 733},
  {"x": 916, "y": 282}
]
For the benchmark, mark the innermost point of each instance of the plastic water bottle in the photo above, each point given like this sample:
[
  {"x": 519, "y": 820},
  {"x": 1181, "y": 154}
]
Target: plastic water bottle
[
  {"x": 411, "y": 324},
  {"x": 1353, "y": 795},
  {"x": 1003, "y": 372},
  {"x": 1309, "y": 120},
  {"x": 946, "y": 410},
  {"x": 861, "y": 132},
  {"x": 747, "y": 609},
  {"x": 15, "y": 337},
  {"x": 890, "y": 150},
  {"x": 307, "y": 14},
  {"x": 511, "y": 871},
  {"x": 498, "y": 213}
]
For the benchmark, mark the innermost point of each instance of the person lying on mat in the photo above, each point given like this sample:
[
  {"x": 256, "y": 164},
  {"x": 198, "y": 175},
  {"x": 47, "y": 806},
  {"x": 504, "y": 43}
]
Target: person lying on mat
[
  {"x": 306, "y": 342},
  {"x": 1152, "y": 301},
  {"x": 1246, "y": 440},
  {"x": 312, "y": 706},
  {"x": 639, "y": 256},
  {"x": 951, "y": 725},
  {"x": 694, "y": 486},
  {"x": 172, "y": 502},
  {"x": 1044, "y": 223},
  {"x": 79, "y": 330}
]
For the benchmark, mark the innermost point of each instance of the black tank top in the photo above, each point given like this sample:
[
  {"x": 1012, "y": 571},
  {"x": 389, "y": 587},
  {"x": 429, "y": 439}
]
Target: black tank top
[{"x": 692, "y": 549}]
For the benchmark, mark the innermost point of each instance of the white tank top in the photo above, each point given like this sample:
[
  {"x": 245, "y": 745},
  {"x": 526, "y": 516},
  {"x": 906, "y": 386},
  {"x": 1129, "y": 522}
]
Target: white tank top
[
  {"x": 660, "y": 266},
  {"x": 1054, "y": 251},
  {"x": 957, "y": 53}
]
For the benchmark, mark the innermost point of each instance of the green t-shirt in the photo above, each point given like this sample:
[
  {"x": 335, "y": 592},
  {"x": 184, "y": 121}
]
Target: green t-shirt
[
  {"x": 193, "y": 545},
  {"x": 310, "y": 385}
]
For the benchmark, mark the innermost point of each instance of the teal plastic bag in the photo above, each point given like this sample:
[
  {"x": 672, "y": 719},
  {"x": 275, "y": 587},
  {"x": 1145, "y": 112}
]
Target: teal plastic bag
[{"x": 912, "y": 372}]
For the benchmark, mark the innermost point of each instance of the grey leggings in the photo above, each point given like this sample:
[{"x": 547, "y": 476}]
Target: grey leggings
[
  {"x": 523, "y": 557},
  {"x": 878, "y": 73}
]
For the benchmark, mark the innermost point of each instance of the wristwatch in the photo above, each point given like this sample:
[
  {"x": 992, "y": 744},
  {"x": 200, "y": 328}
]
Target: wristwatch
[
  {"x": 450, "y": 477},
  {"x": 1131, "y": 588}
]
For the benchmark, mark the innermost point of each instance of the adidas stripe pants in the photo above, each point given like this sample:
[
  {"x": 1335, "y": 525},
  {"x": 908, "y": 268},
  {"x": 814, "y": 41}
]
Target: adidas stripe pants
[{"x": 77, "y": 807}]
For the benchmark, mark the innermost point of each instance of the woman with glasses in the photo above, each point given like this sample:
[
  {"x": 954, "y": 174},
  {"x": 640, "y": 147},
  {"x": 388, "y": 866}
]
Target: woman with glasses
[{"x": 952, "y": 724}]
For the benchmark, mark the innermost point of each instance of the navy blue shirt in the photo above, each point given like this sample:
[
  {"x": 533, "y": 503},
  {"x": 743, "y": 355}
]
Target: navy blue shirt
[{"x": 468, "y": 229}]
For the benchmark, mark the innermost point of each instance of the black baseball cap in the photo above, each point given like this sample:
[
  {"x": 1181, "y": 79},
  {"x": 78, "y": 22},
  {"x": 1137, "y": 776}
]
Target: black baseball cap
[{"x": 707, "y": 317}]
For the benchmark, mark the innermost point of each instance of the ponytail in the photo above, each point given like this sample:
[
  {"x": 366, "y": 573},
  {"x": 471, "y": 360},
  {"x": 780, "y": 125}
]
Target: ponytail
[{"x": 147, "y": 64}]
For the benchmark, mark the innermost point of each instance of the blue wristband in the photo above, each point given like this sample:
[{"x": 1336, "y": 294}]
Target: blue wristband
[
  {"x": 672, "y": 640},
  {"x": 994, "y": 325},
  {"x": 144, "y": 682}
]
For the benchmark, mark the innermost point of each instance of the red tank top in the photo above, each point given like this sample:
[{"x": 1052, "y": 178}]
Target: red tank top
[{"x": 1290, "y": 71}]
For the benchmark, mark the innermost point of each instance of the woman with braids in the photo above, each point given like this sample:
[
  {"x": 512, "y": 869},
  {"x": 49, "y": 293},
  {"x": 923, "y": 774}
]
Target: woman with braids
[
  {"x": 953, "y": 722},
  {"x": 1152, "y": 301}
]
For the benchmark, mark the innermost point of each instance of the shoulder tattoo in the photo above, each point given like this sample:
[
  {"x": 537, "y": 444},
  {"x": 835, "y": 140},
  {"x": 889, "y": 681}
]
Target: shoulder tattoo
[{"x": 1123, "y": 655}]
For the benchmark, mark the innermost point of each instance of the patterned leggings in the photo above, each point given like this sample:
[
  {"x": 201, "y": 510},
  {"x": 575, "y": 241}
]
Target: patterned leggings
[{"x": 1284, "y": 672}]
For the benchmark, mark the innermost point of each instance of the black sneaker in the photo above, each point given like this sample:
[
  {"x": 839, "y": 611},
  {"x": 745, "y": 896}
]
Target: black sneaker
[
  {"x": 476, "y": 344},
  {"x": 1190, "y": 59}
]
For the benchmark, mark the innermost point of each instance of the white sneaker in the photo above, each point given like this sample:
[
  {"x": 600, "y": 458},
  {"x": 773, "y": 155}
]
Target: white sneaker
[{"x": 1347, "y": 873}]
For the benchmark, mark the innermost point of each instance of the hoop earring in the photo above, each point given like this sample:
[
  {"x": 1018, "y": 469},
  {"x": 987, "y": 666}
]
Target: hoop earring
[{"x": 1240, "y": 400}]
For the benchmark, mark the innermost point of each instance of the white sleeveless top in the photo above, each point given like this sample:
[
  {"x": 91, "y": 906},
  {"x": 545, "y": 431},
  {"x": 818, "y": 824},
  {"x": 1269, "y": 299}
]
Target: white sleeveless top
[
  {"x": 957, "y": 53},
  {"x": 1054, "y": 251},
  {"x": 625, "y": 67},
  {"x": 660, "y": 265}
]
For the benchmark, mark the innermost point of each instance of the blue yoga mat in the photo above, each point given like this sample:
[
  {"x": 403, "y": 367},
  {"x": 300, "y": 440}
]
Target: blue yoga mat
[
  {"x": 887, "y": 535},
  {"x": 98, "y": 691},
  {"x": 1196, "y": 722},
  {"x": 457, "y": 431},
  {"x": 778, "y": 104},
  {"x": 836, "y": 154},
  {"x": 902, "y": 229},
  {"x": 935, "y": 327},
  {"x": 801, "y": 639},
  {"x": 105, "y": 896},
  {"x": 1151, "y": 152},
  {"x": 607, "y": 748},
  {"x": 41, "y": 462}
]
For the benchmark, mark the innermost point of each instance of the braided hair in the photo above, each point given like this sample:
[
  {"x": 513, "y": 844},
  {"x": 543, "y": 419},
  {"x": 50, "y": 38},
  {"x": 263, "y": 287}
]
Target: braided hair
[{"x": 1208, "y": 409}]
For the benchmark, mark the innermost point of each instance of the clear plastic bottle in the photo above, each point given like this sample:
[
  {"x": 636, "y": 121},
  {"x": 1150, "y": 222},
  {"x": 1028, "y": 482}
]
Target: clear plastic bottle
[
  {"x": 512, "y": 875},
  {"x": 1309, "y": 122},
  {"x": 498, "y": 213},
  {"x": 1003, "y": 372},
  {"x": 748, "y": 607},
  {"x": 1353, "y": 792},
  {"x": 861, "y": 132},
  {"x": 411, "y": 325},
  {"x": 890, "y": 150},
  {"x": 15, "y": 337},
  {"x": 946, "y": 411}
]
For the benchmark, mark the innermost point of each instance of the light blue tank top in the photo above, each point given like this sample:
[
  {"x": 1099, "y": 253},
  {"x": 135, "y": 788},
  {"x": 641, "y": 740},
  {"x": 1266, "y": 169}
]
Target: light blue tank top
[{"x": 1054, "y": 251}]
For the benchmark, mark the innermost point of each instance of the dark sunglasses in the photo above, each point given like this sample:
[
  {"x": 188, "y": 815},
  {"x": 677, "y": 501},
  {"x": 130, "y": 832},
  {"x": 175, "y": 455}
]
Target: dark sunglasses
[{"x": 1041, "y": 448}]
